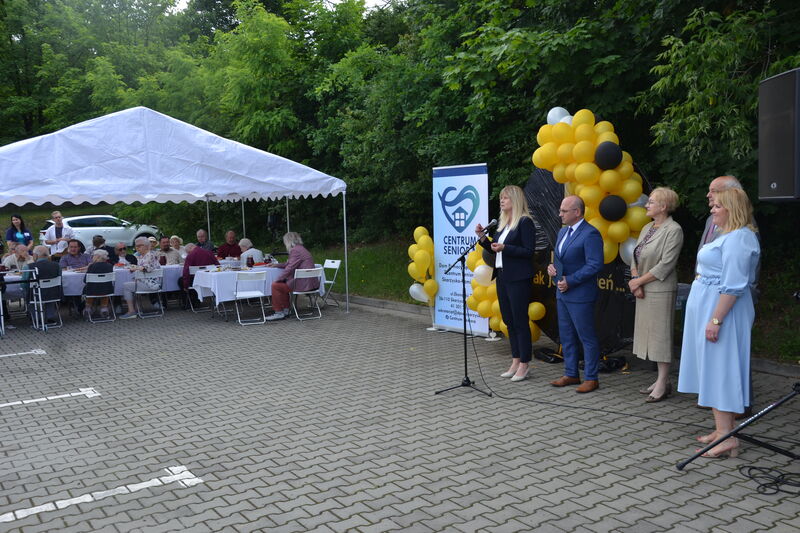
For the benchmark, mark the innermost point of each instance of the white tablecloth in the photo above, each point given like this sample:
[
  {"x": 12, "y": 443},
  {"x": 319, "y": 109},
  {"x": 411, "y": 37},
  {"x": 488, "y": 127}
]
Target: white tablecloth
[
  {"x": 222, "y": 285},
  {"x": 72, "y": 282}
]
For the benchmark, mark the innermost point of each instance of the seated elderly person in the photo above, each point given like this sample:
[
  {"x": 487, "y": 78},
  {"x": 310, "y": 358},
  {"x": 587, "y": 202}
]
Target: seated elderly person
[
  {"x": 45, "y": 269},
  {"x": 176, "y": 243},
  {"x": 19, "y": 258},
  {"x": 173, "y": 257},
  {"x": 99, "y": 265},
  {"x": 121, "y": 256},
  {"x": 299, "y": 257},
  {"x": 231, "y": 246},
  {"x": 246, "y": 245},
  {"x": 203, "y": 242},
  {"x": 146, "y": 262},
  {"x": 74, "y": 259},
  {"x": 196, "y": 256}
]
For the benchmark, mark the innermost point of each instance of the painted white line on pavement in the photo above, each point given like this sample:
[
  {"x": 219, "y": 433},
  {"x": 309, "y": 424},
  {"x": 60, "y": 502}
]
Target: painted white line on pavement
[
  {"x": 32, "y": 352},
  {"x": 89, "y": 393},
  {"x": 179, "y": 474}
]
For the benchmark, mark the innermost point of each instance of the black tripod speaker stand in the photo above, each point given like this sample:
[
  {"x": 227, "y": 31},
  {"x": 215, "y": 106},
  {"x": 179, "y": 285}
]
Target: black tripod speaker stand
[
  {"x": 466, "y": 382},
  {"x": 748, "y": 438}
]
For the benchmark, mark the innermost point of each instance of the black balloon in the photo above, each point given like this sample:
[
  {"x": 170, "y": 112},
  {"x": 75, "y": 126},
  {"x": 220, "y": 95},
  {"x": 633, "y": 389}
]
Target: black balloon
[
  {"x": 608, "y": 155},
  {"x": 613, "y": 207},
  {"x": 489, "y": 257}
]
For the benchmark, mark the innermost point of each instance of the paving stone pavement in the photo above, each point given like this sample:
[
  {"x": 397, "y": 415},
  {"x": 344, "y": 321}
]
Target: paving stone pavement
[{"x": 332, "y": 425}]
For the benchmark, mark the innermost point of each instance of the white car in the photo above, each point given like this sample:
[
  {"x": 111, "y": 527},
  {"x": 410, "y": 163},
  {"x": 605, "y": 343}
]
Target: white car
[{"x": 112, "y": 229}]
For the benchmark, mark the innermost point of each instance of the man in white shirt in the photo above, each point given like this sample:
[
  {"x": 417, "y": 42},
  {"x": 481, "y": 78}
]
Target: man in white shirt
[{"x": 57, "y": 236}]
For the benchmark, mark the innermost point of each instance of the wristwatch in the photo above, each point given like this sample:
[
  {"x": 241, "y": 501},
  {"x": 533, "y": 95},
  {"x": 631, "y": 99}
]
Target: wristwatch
[{"x": 716, "y": 321}]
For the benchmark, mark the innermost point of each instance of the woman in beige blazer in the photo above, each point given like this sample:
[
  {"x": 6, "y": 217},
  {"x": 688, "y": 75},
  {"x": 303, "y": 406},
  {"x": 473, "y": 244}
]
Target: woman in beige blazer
[{"x": 654, "y": 282}]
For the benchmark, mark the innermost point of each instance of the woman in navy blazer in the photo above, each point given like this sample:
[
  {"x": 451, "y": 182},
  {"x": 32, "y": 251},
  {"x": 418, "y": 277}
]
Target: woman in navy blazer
[{"x": 514, "y": 244}]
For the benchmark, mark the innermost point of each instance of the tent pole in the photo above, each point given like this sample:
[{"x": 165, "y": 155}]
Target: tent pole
[
  {"x": 346, "y": 272},
  {"x": 287, "y": 215},
  {"x": 208, "y": 220},
  {"x": 244, "y": 227}
]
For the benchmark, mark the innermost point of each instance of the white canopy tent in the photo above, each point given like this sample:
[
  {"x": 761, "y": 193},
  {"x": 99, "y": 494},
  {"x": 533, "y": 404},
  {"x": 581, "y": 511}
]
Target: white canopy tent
[{"x": 140, "y": 155}]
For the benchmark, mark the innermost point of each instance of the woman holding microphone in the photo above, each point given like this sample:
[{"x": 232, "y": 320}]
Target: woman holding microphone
[{"x": 514, "y": 243}]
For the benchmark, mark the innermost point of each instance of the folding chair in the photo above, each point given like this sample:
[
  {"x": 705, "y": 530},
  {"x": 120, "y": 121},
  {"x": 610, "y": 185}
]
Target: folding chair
[
  {"x": 330, "y": 264},
  {"x": 245, "y": 291},
  {"x": 148, "y": 283},
  {"x": 313, "y": 295},
  {"x": 98, "y": 279},
  {"x": 40, "y": 287},
  {"x": 192, "y": 271}
]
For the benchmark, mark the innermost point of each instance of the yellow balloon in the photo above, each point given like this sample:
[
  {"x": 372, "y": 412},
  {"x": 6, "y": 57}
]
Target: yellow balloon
[
  {"x": 587, "y": 173},
  {"x": 423, "y": 260},
  {"x": 413, "y": 272},
  {"x": 412, "y": 250},
  {"x": 549, "y": 155},
  {"x": 432, "y": 267},
  {"x": 630, "y": 190},
  {"x": 474, "y": 283},
  {"x": 610, "y": 180},
  {"x": 636, "y": 176},
  {"x": 504, "y": 328},
  {"x": 535, "y": 331},
  {"x": 583, "y": 152},
  {"x": 485, "y": 308},
  {"x": 570, "y": 187},
  {"x": 565, "y": 152},
  {"x": 584, "y": 132},
  {"x": 601, "y": 225},
  {"x": 625, "y": 169},
  {"x": 495, "y": 308},
  {"x": 536, "y": 311},
  {"x": 545, "y": 135},
  {"x": 425, "y": 243},
  {"x": 583, "y": 117},
  {"x": 602, "y": 127},
  {"x": 491, "y": 291},
  {"x": 619, "y": 231},
  {"x": 471, "y": 260},
  {"x": 562, "y": 133},
  {"x": 577, "y": 189},
  {"x": 431, "y": 287},
  {"x": 569, "y": 174},
  {"x": 494, "y": 323},
  {"x": 560, "y": 173},
  {"x": 610, "y": 251},
  {"x": 419, "y": 232},
  {"x": 536, "y": 158},
  {"x": 636, "y": 218},
  {"x": 607, "y": 136},
  {"x": 472, "y": 303},
  {"x": 591, "y": 194},
  {"x": 627, "y": 157},
  {"x": 479, "y": 293},
  {"x": 590, "y": 212}
]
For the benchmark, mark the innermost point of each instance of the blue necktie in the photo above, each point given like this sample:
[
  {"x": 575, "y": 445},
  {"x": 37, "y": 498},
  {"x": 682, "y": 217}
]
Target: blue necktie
[{"x": 566, "y": 238}]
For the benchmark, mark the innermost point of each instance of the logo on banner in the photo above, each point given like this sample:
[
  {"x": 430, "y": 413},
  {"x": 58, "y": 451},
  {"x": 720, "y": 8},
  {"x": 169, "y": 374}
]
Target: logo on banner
[{"x": 461, "y": 209}]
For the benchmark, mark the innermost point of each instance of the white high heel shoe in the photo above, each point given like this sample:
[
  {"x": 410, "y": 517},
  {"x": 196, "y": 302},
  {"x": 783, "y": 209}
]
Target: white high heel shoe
[{"x": 524, "y": 376}]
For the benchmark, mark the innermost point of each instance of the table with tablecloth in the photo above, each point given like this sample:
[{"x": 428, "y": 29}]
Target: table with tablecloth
[{"x": 222, "y": 284}]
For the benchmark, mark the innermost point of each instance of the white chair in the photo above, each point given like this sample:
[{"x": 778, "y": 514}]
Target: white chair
[
  {"x": 330, "y": 264},
  {"x": 244, "y": 290},
  {"x": 313, "y": 295},
  {"x": 39, "y": 288},
  {"x": 147, "y": 283},
  {"x": 192, "y": 271},
  {"x": 108, "y": 278}
]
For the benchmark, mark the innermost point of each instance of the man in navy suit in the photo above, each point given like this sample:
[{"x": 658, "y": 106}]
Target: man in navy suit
[{"x": 578, "y": 260}]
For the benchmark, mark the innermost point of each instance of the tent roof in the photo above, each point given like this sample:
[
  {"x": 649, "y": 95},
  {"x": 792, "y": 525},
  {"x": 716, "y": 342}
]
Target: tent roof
[{"x": 145, "y": 156}]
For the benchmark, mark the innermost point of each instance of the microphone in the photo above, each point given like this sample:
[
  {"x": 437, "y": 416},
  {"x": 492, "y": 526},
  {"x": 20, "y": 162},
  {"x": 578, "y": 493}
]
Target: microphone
[{"x": 490, "y": 225}]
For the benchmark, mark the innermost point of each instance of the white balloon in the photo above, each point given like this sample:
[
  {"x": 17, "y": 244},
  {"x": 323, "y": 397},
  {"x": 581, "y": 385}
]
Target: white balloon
[
  {"x": 483, "y": 275},
  {"x": 556, "y": 114},
  {"x": 640, "y": 201},
  {"x": 626, "y": 250},
  {"x": 567, "y": 120},
  {"x": 417, "y": 291}
]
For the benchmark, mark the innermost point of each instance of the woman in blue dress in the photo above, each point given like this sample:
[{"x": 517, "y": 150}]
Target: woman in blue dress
[
  {"x": 715, "y": 356},
  {"x": 18, "y": 233}
]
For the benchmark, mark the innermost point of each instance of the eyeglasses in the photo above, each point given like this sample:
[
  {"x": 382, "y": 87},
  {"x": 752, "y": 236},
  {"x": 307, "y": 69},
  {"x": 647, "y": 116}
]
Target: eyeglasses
[
  {"x": 121, "y": 249},
  {"x": 567, "y": 210}
]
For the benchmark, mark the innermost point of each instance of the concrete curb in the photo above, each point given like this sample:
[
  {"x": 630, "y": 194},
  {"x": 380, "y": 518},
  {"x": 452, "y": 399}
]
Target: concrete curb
[{"x": 765, "y": 366}]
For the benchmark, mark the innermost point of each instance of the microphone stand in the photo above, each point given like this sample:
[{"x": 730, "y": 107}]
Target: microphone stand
[{"x": 465, "y": 382}]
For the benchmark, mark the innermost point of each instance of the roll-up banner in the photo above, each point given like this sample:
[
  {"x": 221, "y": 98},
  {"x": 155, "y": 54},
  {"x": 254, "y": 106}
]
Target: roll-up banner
[{"x": 460, "y": 202}]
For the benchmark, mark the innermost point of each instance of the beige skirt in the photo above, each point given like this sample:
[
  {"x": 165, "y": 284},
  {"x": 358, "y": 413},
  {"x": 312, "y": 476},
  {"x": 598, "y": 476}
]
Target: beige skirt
[{"x": 654, "y": 324}]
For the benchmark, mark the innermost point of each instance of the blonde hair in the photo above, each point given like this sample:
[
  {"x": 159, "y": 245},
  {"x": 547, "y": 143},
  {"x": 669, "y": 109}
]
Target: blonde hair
[
  {"x": 519, "y": 207},
  {"x": 740, "y": 210},
  {"x": 666, "y": 196}
]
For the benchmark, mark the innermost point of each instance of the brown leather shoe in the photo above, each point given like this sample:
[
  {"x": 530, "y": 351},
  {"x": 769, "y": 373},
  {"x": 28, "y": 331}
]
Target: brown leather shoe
[
  {"x": 588, "y": 386},
  {"x": 563, "y": 381}
]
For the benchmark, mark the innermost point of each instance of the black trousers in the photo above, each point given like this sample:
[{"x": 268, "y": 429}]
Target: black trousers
[{"x": 514, "y": 298}]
